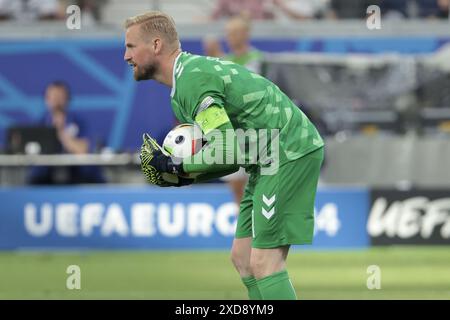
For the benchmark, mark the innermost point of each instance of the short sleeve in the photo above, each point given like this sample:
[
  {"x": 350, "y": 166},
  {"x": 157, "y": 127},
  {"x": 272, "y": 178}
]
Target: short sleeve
[
  {"x": 76, "y": 126},
  {"x": 199, "y": 90}
]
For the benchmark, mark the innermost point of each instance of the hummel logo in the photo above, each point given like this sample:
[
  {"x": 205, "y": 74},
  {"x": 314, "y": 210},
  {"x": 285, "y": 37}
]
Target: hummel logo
[
  {"x": 268, "y": 203},
  {"x": 268, "y": 214}
]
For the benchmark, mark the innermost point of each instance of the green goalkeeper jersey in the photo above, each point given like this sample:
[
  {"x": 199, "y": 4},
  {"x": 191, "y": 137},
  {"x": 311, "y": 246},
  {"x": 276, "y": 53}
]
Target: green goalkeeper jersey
[{"x": 250, "y": 101}]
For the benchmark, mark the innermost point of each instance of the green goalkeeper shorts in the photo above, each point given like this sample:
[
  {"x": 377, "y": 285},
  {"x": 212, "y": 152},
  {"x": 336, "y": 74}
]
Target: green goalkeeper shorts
[{"x": 278, "y": 210}]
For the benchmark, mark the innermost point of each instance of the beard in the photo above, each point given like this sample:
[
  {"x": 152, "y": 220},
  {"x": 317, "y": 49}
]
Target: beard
[{"x": 146, "y": 72}]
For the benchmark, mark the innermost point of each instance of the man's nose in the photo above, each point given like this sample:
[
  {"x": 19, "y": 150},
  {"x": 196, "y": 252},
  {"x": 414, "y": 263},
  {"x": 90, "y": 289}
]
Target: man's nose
[{"x": 126, "y": 56}]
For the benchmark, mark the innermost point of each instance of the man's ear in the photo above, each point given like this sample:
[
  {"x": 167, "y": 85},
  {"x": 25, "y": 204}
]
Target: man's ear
[{"x": 157, "y": 45}]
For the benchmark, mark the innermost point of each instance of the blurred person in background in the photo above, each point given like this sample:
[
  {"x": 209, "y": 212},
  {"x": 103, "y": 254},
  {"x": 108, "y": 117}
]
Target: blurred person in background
[
  {"x": 30, "y": 10},
  {"x": 91, "y": 10},
  {"x": 237, "y": 32},
  {"x": 443, "y": 9},
  {"x": 252, "y": 9},
  {"x": 394, "y": 9},
  {"x": 71, "y": 134},
  {"x": 357, "y": 9},
  {"x": 300, "y": 9},
  {"x": 348, "y": 9},
  {"x": 433, "y": 9},
  {"x": 212, "y": 47}
]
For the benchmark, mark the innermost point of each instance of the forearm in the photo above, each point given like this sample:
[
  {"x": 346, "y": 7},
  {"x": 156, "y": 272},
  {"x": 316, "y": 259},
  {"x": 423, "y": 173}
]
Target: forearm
[
  {"x": 74, "y": 145},
  {"x": 293, "y": 14},
  {"x": 214, "y": 175}
]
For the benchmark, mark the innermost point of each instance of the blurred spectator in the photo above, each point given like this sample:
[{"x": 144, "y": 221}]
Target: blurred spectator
[
  {"x": 29, "y": 10},
  {"x": 300, "y": 9},
  {"x": 253, "y": 9},
  {"x": 212, "y": 47},
  {"x": 434, "y": 9},
  {"x": 71, "y": 134},
  {"x": 443, "y": 9},
  {"x": 394, "y": 9},
  {"x": 237, "y": 31},
  {"x": 91, "y": 10},
  {"x": 426, "y": 8},
  {"x": 347, "y": 9},
  {"x": 357, "y": 9},
  {"x": 353, "y": 9}
]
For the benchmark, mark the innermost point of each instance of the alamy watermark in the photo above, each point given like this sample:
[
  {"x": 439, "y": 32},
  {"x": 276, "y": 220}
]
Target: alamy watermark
[
  {"x": 242, "y": 147},
  {"x": 73, "y": 21},
  {"x": 373, "y": 21},
  {"x": 73, "y": 281},
  {"x": 374, "y": 278}
]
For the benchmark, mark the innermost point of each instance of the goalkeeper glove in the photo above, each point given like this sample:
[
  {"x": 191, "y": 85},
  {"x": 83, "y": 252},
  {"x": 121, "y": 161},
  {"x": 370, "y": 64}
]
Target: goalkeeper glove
[{"x": 155, "y": 161}]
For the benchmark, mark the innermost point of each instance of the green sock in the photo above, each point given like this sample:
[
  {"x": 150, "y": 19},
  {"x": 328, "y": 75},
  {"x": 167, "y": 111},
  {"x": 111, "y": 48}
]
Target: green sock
[
  {"x": 276, "y": 286},
  {"x": 253, "y": 291}
]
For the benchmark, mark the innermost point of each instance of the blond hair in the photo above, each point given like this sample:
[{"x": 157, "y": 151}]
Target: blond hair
[
  {"x": 156, "y": 22},
  {"x": 240, "y": 20}
]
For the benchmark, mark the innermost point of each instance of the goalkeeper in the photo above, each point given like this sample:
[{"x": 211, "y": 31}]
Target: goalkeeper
[{"x": 277, "y": 209}]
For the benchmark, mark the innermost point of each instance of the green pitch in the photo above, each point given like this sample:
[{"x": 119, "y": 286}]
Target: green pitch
[{"x": 406, "y": 273}]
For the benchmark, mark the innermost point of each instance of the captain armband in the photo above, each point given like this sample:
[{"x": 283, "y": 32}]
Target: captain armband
[{"x": 211, "y": 118}]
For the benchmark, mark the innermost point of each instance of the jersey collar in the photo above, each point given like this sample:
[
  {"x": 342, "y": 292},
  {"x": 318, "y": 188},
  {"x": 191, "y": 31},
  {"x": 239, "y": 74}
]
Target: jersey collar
[{"x": 172, "y": 92}]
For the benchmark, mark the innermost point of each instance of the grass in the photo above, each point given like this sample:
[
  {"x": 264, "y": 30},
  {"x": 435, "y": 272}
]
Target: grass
[{"x": 406, "y": 273}]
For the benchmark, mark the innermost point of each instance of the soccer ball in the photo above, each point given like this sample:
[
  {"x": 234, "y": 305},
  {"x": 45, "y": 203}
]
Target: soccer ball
[{"x": 182, "y": 141}]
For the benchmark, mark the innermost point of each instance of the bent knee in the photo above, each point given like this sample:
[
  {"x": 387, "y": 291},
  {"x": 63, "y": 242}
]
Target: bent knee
[
  {"x": 257, "y": 266},
  {"x": 241, "y": 261},
  {"x": 263, "y": 266}
]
